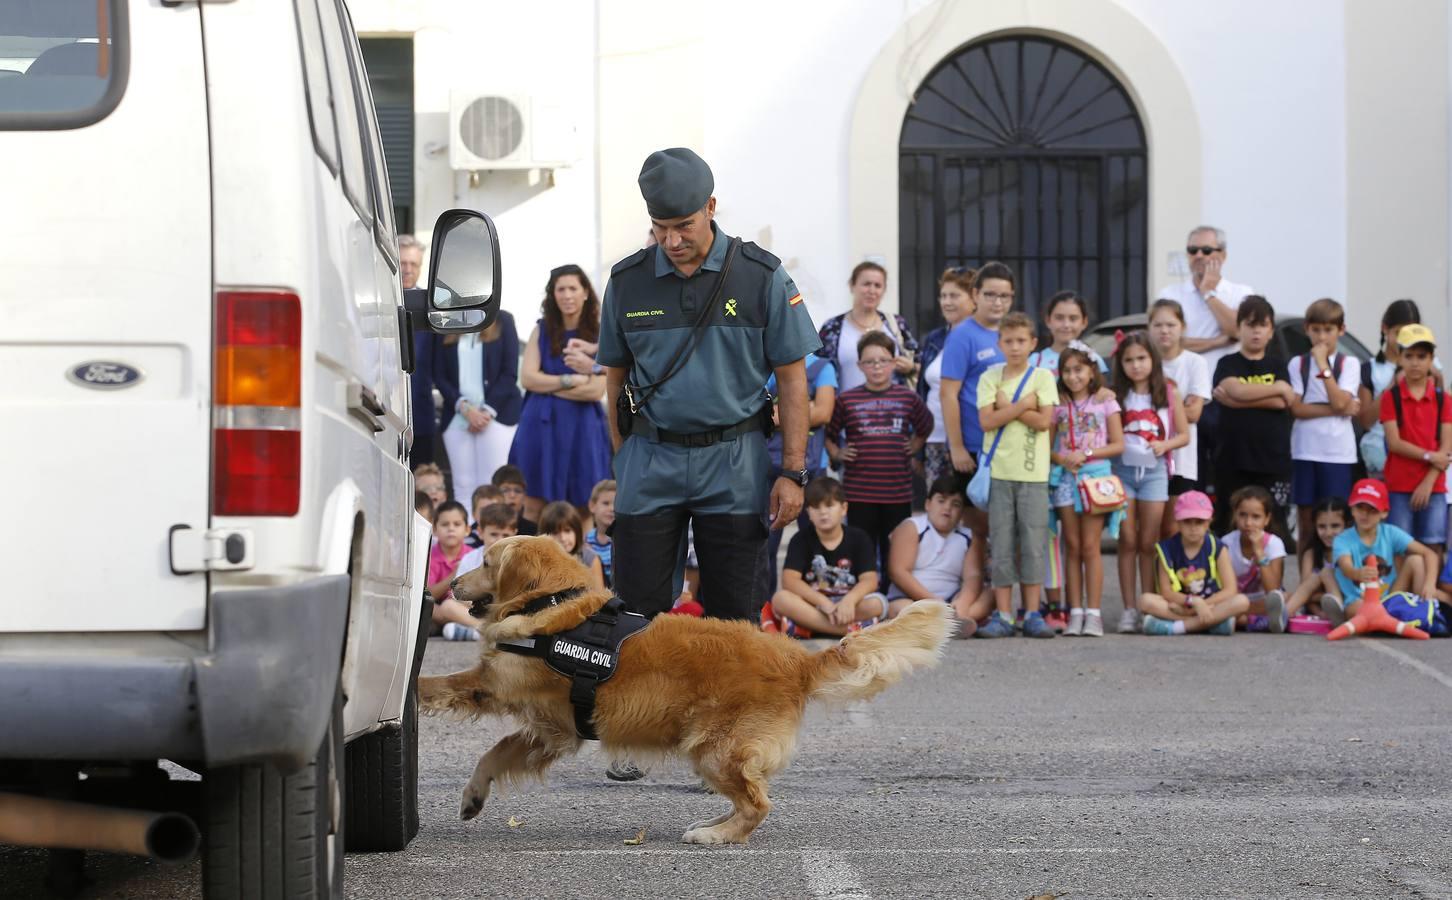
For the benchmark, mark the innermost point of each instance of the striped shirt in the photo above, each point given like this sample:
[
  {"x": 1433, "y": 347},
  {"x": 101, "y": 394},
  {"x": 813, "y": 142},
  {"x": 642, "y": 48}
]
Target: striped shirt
[
  {"x": 878, "y": 425},
  {"x": 605, "y": 551}
]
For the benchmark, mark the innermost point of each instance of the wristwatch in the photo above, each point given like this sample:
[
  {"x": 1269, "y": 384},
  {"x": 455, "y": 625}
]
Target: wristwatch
[
  {"x": 1426, "y": 456},
  {"x": 567, "y": 380},
  {"x": 1324, "y": 373},
  {"x": 800, "y": 476},
  {"x": 1089, "y": 454}
]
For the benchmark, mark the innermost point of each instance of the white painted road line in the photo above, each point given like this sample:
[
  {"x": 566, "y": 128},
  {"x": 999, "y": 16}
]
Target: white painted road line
[
  {"x": 1407, "y": 659},
  {"x": 831, "y": 877},
  {"x": 703, "y": 852}
]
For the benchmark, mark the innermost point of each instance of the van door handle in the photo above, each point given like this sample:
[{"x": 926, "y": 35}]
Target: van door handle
[{"x": 364, "y": 404}]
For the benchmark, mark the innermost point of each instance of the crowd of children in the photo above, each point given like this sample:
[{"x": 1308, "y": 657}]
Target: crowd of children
[
  {"x": 1072, "y": 446},
  {"x": 1070, "y": 453}
]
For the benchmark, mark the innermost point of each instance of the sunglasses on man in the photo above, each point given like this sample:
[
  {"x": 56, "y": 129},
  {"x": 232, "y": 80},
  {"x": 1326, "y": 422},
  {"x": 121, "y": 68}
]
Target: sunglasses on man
[{"x": 1191, "y": 251}]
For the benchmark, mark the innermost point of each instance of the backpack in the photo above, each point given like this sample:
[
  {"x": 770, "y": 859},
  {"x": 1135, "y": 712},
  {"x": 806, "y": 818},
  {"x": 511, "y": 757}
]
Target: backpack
[
  {"x": 1396, "y": 393},
  {"x": 1338, "y": 362},
  {"x": 1213, "y": 573},
  {"x": 816, "y": 438}
]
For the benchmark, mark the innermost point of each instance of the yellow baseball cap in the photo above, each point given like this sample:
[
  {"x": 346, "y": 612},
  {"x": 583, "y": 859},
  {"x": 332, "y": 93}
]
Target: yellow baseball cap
[{"x": 1414, "y": 334}]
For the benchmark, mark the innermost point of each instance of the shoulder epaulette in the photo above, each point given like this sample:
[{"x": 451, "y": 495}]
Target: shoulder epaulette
[
  {"x": 765, "y": 257},
  {"x": 633, "y": 259}
]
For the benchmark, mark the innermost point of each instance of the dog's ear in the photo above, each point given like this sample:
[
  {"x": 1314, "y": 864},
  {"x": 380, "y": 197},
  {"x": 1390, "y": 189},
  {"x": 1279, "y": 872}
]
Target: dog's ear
[{"x": 514, "y": 575}]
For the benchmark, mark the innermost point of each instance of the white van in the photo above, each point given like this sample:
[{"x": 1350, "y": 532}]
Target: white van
[{"x": 206, "y": 519}]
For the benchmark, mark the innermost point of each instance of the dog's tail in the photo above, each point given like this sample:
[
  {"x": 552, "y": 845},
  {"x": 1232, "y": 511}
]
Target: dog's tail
[{"x": 868, "y": 662}]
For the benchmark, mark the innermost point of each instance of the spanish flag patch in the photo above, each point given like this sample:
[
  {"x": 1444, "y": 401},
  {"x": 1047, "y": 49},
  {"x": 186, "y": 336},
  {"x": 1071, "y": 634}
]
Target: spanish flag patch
[{"x": 795, "y": 300}]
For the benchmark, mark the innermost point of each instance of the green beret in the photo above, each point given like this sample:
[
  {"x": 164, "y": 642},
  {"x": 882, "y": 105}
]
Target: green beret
[{"x": 675, "y": 183}]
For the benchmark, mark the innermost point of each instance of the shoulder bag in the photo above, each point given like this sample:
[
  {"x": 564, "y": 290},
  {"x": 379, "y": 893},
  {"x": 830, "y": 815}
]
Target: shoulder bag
[
  {"x": 982, "y": 479},
  {"x": 1099, "y": 495}
]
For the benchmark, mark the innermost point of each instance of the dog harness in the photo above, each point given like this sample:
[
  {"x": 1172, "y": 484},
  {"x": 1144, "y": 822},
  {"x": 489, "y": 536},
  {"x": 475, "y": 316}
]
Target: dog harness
[{"x": 587, "y": 654}]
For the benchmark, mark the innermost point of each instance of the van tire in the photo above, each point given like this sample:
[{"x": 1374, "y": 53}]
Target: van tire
[
  {"x": 277, "y": 836},
  {"x": 383, "y": 784}
]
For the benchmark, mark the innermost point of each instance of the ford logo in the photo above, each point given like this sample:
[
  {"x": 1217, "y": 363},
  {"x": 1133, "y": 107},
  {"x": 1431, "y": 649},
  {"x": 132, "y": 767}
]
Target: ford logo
[{"x": 104, "y": 375}]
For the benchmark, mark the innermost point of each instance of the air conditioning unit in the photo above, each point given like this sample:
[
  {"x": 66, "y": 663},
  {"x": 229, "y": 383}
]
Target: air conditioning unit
[{"x": 509, "y": 131}]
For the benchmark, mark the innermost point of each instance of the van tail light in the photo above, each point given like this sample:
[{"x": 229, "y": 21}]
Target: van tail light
[{"x": 257, "y": 404}]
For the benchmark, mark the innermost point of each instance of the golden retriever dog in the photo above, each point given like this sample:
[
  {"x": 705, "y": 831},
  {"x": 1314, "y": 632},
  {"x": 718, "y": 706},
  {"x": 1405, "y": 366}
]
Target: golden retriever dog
[{"x": 724, "y": 695}]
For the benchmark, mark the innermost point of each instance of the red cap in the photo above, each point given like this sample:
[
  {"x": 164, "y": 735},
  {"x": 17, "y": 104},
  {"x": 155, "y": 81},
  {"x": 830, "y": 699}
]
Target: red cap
[{"x": 1370, "y": 492}]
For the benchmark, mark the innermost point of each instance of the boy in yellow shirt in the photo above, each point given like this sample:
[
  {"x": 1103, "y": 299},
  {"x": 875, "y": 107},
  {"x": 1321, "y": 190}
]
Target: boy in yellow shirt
[{"x": 1019, "y": 399}]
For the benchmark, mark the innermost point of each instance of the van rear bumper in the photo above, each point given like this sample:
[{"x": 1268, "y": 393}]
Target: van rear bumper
[{"x": 263, "y": 693}]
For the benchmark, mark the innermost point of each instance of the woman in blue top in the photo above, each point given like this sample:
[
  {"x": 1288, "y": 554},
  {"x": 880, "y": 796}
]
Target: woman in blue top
[
  {"x": 562, "y": 444},
  {"x": 477, "y": 374}
]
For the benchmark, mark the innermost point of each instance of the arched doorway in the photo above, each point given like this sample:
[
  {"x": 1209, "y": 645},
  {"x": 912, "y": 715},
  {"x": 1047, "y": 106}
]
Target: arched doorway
[{"x": 1025, "y": 150}]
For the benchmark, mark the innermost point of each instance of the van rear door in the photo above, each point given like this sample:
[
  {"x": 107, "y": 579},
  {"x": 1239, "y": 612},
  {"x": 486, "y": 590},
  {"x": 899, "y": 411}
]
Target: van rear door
[{"x": 106, "y": 346}]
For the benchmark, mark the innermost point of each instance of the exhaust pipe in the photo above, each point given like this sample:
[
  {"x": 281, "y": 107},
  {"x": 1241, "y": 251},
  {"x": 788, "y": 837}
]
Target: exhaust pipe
[{"x": 28, "y": 821}]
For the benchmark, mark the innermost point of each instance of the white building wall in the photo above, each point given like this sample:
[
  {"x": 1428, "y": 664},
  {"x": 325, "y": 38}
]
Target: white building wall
[
  {"x": 543, "y": 47},
  {"x": 766, "y": 91},
  {"x": 1270, "y": 90}
]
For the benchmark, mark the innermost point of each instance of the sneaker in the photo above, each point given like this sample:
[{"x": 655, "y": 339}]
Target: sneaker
[
  {"x": 1275, "y": 611},
  {"x": 1153, "y": 625},
  {"x": 1034, "y": 626},
  {"x": 1257, "y": 623},
  {"x": 1057, "y": 621},
  {"x": 1226, "y": 627},
  {"x": 965, "y": 629},
  {"x": 1018, "y": 621},
  {"x": 792, "y": 629},
  {"x": 453, "y": 631},
  {"x": 1093, "y": 626},
  {"x": 998, "y": 626},
  {"x": 1129, "y": 622},
  {"x": 624, "y": 770},
  {"x": 1075, "y": 626},
  {"x": 1332, "y": 610},
  {"x": 768, "y": 619}
]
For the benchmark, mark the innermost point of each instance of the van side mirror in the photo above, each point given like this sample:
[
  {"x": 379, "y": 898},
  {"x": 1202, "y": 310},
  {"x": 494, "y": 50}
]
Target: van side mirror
[{"x": 463, "y": 286}]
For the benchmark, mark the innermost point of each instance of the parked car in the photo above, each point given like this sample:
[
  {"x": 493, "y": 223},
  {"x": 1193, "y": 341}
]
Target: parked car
[
  {"x": 1289, "y": 339},
  {"x": 212, "y": 551}
]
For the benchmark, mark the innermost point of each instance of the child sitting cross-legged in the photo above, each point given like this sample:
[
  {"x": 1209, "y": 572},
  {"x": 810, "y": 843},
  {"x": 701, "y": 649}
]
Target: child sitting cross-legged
[
  {"x": 1197, "y": 590},
  {"x": 561, "y": 521},
  {"x": 1258, "y": 557},
  {"x": 493, "y": 522},
  {"x": 829, "y": 579},
  {"x": 1402, "y": 564},
  {"x": 1330, "y": 517},
  {"x": 934, "y": 557},
  {"x": 451, "y": 523}
]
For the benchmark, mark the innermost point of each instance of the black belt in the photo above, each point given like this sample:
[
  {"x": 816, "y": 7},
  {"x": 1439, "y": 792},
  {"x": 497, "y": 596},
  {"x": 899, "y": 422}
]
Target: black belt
[{"x": 647, "y": 429}]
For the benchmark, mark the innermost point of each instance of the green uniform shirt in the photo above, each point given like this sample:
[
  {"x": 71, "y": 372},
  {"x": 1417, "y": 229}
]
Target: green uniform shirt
[{"x": 759, "y": 323}]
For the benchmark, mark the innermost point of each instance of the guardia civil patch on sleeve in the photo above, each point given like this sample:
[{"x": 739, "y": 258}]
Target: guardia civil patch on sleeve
[{"x": 797, "y": 298}]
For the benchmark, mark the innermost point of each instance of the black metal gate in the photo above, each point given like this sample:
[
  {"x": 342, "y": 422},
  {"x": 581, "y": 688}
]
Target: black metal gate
[{"x": 1024, "y": 150}]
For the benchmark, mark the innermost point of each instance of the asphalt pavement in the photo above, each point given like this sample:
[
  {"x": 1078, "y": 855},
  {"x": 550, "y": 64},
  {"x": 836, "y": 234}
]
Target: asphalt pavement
[{"x": 1196, "y": 766}]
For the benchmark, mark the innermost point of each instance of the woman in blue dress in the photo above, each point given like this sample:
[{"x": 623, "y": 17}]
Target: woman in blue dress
[{"x": 561, "y": 444}]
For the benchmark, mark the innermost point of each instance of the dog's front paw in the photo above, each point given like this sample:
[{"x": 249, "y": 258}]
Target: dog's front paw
[
  {"x": 711, "y": 836},
  {"x": 473, "y": 802}
]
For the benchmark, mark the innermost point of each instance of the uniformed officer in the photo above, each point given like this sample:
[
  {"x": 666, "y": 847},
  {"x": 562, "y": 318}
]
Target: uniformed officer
[{"x": 690, "y": 331}]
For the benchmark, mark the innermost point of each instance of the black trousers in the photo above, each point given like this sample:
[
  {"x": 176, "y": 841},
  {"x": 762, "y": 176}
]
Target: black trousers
[
  {"x": 730, "y": 551},
  {"x": 878, "y": 520}
]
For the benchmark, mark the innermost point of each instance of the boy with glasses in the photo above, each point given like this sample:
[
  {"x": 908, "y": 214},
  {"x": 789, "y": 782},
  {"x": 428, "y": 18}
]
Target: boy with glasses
[
  {"x": 875, "y": 431},
  {"x": 510, "y": 481}
]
